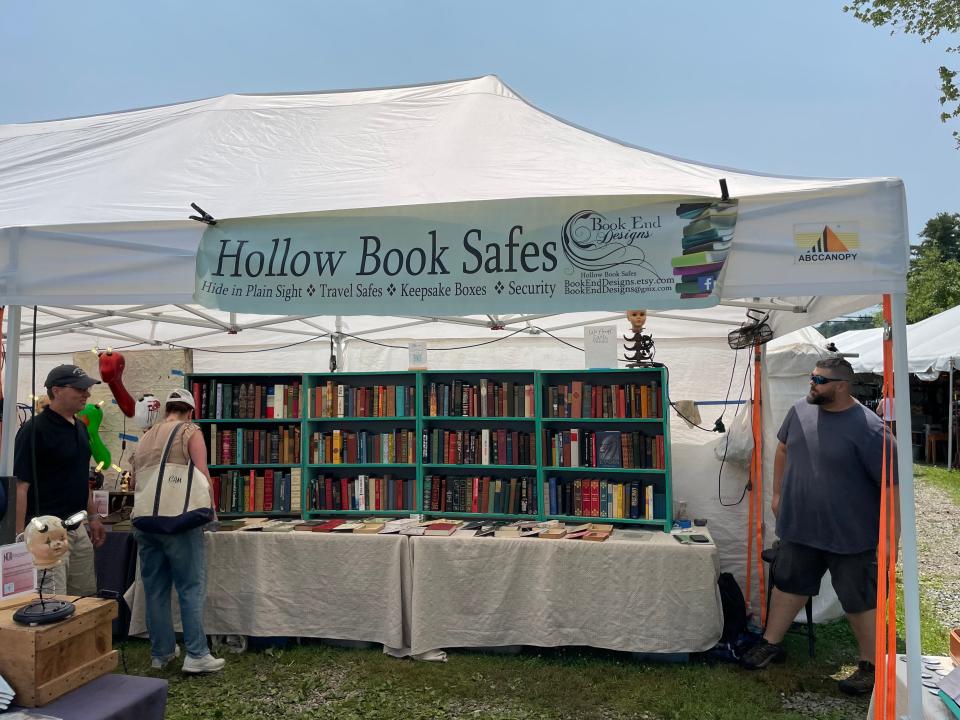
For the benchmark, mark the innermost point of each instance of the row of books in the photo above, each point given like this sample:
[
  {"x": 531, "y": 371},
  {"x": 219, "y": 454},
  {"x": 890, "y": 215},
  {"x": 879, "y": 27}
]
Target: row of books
[
  {"x": 363, "y": 446},
  {"x": 363, "y": 492},
  {"x": 335, "y": 400},
  {"x": 579, "y": 399},
  {"x": 476, "y": 494},
  {"x": 237, "y": 491},
  {"x": 483, "y": 398},
  {"x": 246, "y": 401},
  {"x": 603, "y": 498},
  {"x": 478, "y": 447},
  {"x": 603, "y": 449},
  {"x": 279, "y": 445}
]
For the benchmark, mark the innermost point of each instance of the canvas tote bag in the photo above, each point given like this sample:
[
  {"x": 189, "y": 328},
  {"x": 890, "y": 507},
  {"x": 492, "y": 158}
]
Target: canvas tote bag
[{"x": 171, "y": 498}]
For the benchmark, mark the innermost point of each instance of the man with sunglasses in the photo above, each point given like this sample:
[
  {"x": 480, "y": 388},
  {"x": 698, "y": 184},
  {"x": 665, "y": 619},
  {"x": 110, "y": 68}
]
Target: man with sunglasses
[{"x": 826, "y": 498}]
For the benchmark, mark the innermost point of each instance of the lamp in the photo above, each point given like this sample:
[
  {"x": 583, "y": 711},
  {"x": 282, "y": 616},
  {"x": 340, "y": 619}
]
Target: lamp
[{"x": 46, "y": 539}]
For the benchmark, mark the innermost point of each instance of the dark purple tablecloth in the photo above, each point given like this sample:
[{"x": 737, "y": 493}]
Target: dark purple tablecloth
[{"x": 111, "y": 697}]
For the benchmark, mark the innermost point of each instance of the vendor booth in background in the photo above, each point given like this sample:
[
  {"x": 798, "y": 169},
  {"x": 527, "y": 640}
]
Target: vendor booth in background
[{"x": 933, "y": 358}]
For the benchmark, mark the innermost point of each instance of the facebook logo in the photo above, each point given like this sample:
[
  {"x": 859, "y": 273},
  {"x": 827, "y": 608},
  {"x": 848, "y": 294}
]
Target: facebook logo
[{"x": 706, "y": 284}]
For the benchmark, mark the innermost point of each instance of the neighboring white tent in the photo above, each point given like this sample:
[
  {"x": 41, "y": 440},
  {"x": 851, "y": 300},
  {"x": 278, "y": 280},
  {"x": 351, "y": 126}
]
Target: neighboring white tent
[
  {"x": 933, "y": 346},
  {"x": 93, "y": 217}
]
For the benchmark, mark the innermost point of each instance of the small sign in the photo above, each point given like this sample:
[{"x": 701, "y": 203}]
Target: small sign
[
  {"x": 600, "y": 346},
  {"x": 17, "y": 574},
  {"x": 418, "y": 356},
  {"x": 101, "y": 502}
]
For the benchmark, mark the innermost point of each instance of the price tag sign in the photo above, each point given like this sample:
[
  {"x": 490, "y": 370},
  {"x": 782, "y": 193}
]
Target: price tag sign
[
  {"x": 418, "y": 356},
  {"x": 18, "y": 576},
  {"x": 600, "y": 346}
]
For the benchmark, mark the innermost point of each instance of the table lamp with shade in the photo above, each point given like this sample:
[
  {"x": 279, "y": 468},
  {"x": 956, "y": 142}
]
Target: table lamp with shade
[{"x": 46, "y": 540}]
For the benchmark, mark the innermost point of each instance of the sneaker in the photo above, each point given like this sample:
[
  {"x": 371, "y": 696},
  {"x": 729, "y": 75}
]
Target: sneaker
[
  {"x": 762, "y": 654},
  {"x": 160, "y": 663},
  {"x": 206, "y": 664},
  {"x": 860, "y": 682}
]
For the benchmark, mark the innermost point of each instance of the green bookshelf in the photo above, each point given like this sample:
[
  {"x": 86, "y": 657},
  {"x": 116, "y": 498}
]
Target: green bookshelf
[
  {"x": 470, "y": 444},
  {"x": 479, "y": 444},
  {"x": 605, "y": 440},
  {"x": 360, "y": 444},
  {"x": 251, "y": 424}
]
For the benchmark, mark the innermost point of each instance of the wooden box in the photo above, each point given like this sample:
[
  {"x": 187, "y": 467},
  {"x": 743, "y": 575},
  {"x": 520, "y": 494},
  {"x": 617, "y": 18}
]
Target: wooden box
[{"x": 46, "y": 661}]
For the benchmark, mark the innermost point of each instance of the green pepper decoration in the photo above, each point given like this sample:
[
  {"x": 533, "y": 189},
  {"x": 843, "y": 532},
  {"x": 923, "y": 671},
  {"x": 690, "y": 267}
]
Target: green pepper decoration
[{"x": 92, "y": 417}]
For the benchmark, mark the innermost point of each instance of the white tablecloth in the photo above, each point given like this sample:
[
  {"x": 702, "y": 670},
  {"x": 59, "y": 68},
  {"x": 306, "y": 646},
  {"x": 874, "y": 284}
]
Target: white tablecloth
[
  {"x": 638, "y": 591},
  {"x": 306, "y": 584},
  {"x": 646, "y": 594}
]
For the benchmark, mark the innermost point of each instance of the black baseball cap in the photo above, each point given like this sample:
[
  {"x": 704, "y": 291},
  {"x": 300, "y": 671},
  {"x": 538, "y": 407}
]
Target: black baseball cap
[{"x": 69, "y": 376}]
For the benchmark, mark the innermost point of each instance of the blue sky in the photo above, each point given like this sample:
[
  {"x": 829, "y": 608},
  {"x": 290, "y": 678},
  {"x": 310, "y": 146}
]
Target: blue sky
[{"x": 797, "y": 88}]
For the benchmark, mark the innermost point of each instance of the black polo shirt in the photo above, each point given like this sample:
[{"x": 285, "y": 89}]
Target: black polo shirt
[{"x": 63, "y": 464}]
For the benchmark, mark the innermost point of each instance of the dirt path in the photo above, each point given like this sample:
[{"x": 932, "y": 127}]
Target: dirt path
[{"x": 938, "y": 551}]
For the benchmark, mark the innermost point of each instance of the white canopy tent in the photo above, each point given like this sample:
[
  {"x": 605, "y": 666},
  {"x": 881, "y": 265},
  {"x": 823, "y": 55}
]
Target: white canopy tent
[
  {"x": 93, "y": 224},
  {"x": 933, "y": 346}
]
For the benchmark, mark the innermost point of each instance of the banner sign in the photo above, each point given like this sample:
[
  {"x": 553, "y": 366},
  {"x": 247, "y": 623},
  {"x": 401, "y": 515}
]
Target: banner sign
[{"x": 496, "y": 256}]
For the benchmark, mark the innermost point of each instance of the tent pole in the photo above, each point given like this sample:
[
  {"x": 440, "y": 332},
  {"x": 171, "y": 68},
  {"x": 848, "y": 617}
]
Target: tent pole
[
  {"x": 908, "y": 521},
  {"x": 10, "y": 381},
  {"x": 950, "y": 420},
  {"x": 338, "y": 324}
]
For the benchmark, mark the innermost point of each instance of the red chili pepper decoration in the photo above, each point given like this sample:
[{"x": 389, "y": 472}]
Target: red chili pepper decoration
[{"x": 111, "y": 372}]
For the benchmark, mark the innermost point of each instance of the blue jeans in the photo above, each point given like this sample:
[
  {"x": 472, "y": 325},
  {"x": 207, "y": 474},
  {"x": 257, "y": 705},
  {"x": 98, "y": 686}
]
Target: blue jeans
[{"x": 178, "y": 560}]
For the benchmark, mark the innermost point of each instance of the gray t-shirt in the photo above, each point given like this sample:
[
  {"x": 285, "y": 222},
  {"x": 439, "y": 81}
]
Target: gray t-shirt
[{"x": 830, "y": 495}]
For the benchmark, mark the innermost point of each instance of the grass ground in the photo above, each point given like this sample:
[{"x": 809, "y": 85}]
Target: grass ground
[{"x": 314, "y": 680}]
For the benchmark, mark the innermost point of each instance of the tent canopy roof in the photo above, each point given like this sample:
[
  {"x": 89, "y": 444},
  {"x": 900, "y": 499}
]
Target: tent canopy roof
[
  {"x": 112, "y": 193},
  {"x": 252, "y": 155}
]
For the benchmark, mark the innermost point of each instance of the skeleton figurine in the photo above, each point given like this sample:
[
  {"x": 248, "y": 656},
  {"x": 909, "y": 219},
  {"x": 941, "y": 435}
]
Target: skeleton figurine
[{"x": 638, "y": 347}]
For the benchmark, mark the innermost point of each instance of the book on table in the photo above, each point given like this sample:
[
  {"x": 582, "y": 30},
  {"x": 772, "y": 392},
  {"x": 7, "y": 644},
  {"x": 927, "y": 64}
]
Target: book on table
[{"x": 441, "y": 528}]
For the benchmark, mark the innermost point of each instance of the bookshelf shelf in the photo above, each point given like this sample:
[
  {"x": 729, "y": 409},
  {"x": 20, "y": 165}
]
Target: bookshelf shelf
[
  {"x": 449, "y": 466},
  {"x": 623, "y": 426},
  {"x": 334, "y": 466},
  {"x": 363, "y": 418},
  {"x": 247, "y": 421},
  {"x": 474, "y": 516},
  {"x": 254, "y": 421},
  {"x": 316, "y": 514},
  {"x": 474, "y": 419},
  {"x": 598, "y": 421},
  {"x": 251, "y": 466},
  {"x": 630, "y": 521},
  {"x": 602, "y": 471}
]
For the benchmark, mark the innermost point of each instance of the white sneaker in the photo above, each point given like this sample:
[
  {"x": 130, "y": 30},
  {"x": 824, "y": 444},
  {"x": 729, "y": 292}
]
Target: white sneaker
[
  {"x": 160, "y": 663},
  {"x": 206, "y": 664}
]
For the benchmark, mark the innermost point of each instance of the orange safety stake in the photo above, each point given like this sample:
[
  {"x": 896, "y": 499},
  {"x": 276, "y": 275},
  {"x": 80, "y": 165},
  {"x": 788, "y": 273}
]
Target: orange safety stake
[{"x": 885, "y": 656}]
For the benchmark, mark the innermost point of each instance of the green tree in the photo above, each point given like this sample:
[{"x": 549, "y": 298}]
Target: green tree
[
  {"x": 926, "y": 19},
  {"x": 933, "y": 285},
  {"x": 942, "y": 234},
  {"x": 933, "y": 281}
]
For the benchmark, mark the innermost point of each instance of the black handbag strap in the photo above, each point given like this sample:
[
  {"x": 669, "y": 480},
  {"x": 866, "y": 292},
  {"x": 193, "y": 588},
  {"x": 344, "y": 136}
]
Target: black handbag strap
[{"x": 163, "y": 462}]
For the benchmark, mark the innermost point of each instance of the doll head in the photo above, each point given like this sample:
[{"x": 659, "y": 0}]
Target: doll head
[
  {"x": 637, "y": 318},
  {"x": 46, "y": 539}
]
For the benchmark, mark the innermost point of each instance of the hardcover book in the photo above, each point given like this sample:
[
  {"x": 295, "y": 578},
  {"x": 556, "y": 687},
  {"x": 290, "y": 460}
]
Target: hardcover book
[{"x": 608, "y": 449}]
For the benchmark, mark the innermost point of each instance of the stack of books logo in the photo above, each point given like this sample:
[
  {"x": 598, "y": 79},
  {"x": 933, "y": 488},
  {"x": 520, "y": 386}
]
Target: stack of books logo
[{"x": 706, "y": 242}]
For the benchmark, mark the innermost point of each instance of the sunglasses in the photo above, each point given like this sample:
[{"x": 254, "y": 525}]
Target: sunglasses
[{"x": 821, "y": 380}]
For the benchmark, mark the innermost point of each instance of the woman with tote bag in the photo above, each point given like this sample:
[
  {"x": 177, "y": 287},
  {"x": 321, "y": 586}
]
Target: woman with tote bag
[{"x": 170, "y": 470}]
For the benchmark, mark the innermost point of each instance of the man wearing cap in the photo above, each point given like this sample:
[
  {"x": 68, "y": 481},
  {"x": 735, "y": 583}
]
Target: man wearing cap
[{"x": 52, "y": 463}]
